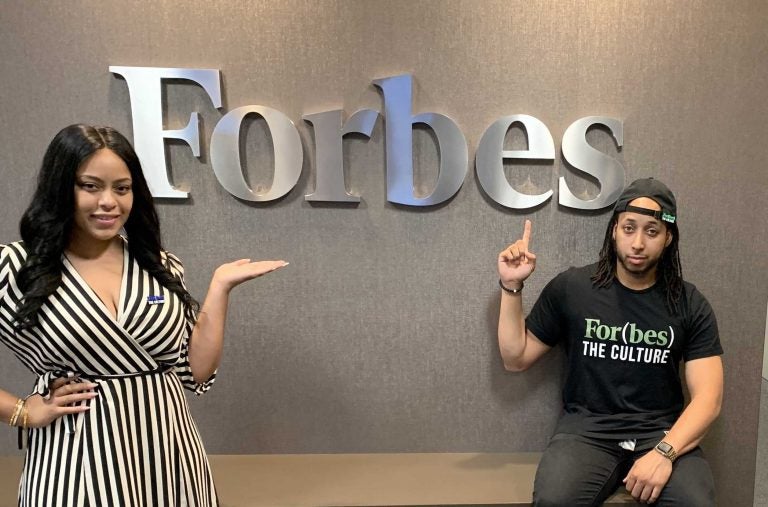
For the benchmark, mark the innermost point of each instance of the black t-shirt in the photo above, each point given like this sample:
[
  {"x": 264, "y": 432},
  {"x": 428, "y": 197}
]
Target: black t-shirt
[{"x": 623, "y": 350}]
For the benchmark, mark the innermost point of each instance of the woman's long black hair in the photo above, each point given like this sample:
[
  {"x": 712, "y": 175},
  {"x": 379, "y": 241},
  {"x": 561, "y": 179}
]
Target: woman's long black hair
[
  {"x": 670, "y": 271},
  {"x": 46, "y": 225}
]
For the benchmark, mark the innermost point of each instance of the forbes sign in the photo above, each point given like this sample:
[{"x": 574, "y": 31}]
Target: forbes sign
[{"x": 144, "y": 87}]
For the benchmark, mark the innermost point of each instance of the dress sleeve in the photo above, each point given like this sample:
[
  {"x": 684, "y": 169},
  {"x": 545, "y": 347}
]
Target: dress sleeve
[
  {"x": 5, "y": 268},
  {"x": 182, "y": 368}
]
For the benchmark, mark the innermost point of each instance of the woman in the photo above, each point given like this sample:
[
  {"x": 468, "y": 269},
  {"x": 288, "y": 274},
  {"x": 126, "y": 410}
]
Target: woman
[{"x": 106, "y": 323}]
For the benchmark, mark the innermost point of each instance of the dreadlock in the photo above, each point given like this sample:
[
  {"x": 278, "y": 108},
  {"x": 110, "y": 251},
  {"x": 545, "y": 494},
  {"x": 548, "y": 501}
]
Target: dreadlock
[{"x": 670, "y": 271}]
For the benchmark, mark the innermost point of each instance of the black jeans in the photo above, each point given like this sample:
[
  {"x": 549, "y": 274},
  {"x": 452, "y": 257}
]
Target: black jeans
[{"x": 577, "y": 470}]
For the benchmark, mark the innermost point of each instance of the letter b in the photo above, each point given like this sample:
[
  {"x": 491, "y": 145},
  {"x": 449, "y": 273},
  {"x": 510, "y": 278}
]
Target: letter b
[
  {"x": 399, "y": 146},
  {"x": 635, "y": 334}
]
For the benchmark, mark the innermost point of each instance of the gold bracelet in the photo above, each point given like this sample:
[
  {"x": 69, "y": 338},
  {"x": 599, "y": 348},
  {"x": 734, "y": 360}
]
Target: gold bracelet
[
  {"x": 16, "y": 412},
  {"x": 25, "y": 411}
]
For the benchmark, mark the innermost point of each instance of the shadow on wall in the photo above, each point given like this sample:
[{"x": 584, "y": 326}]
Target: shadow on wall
[
  {"x": 523, "y": 391},
  {"x": 765, "y": 348}
]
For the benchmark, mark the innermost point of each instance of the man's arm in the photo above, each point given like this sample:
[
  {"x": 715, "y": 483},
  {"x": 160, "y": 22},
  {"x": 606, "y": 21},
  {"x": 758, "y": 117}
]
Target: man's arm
[
  {"x": 704, "y": 378},
  {"x": 519, "y": 347}
]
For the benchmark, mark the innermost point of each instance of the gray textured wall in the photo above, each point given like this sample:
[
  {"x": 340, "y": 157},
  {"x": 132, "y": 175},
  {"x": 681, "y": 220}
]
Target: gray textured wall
[{"x": 380, "y": 334}]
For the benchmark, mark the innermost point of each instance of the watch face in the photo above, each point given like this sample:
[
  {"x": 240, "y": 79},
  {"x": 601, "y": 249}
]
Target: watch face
[{"x": 664, "y": 447}]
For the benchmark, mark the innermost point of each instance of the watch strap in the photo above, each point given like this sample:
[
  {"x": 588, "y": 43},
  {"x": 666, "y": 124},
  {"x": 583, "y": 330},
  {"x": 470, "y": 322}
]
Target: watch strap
[{"x": 666, "y": 450}]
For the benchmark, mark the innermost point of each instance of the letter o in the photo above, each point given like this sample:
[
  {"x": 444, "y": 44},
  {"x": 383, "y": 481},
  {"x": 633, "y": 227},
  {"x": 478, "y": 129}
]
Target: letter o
[{"x": 225, "y": 153}]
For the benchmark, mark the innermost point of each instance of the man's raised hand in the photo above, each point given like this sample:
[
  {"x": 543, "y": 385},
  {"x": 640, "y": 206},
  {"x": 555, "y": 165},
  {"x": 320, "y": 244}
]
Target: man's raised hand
[{"x": 516, "y": 262}]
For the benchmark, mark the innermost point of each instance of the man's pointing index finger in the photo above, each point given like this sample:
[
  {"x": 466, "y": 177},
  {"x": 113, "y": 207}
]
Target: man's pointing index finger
[{"x": 527, "y": 233}]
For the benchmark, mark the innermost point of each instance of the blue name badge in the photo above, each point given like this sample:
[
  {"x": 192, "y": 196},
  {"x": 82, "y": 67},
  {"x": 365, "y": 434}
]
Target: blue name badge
[{"x": 155, "y": 300}]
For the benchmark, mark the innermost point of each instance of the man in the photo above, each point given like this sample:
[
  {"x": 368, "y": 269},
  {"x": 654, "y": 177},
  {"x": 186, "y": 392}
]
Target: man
[{"x": 625, "y": 323}]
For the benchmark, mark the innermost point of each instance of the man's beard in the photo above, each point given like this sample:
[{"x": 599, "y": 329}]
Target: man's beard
[{"x": 637, "y": 271}]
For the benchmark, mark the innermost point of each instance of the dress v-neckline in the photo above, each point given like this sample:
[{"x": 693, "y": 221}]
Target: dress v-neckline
[{"x": 118, "y": 315}]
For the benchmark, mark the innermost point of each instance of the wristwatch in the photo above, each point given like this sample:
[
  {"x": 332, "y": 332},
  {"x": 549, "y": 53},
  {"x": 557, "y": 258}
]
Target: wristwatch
[{"x": 666, "y": 450}]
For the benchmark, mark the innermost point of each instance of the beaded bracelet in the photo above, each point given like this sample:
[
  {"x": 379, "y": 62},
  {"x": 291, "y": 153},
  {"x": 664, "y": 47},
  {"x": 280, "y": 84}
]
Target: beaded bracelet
[{"x": 511, "y": 291}]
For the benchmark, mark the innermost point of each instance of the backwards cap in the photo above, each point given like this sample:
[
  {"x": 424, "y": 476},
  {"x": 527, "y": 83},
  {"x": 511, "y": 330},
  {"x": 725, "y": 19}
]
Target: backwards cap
[{"x": 653, "y": 189}]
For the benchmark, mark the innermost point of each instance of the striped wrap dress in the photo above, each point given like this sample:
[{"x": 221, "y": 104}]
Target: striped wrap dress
[{"x": 137, "y": 445}]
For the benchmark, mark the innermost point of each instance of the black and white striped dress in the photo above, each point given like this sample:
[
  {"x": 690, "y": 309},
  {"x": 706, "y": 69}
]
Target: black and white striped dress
[{"x": 137, "y": 445}]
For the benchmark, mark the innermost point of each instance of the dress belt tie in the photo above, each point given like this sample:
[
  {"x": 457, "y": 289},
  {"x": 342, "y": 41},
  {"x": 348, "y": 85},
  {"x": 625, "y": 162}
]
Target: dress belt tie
[
  {"x": 71, "y": 426},
  {"x": 160, "y": 369}
]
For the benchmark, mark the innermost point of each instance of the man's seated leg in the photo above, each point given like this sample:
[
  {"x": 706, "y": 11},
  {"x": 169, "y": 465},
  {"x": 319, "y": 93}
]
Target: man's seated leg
[
  {"x": 577, "y": 470},
  {"x": 691, "y": 483}
]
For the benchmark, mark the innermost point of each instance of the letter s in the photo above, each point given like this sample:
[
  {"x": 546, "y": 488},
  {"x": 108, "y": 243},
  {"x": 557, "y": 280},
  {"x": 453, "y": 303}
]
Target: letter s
[{"x": 583, "y": 157}]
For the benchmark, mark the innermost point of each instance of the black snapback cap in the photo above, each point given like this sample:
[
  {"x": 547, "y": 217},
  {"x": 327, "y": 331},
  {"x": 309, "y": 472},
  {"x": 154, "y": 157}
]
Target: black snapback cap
[{"x": 652, "y": 189}]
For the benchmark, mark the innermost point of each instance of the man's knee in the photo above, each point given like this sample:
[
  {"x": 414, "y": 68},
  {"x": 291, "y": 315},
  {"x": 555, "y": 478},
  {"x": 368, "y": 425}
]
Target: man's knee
[
  {"x": 553, "y": 497},
  {"x": 556, "y": 484},
  {"x": 565, "y": 484},
  {"x": 688, "y": 497},
  {"x": 575, "y": 471},
  {"x": 691, "y": 483}
]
